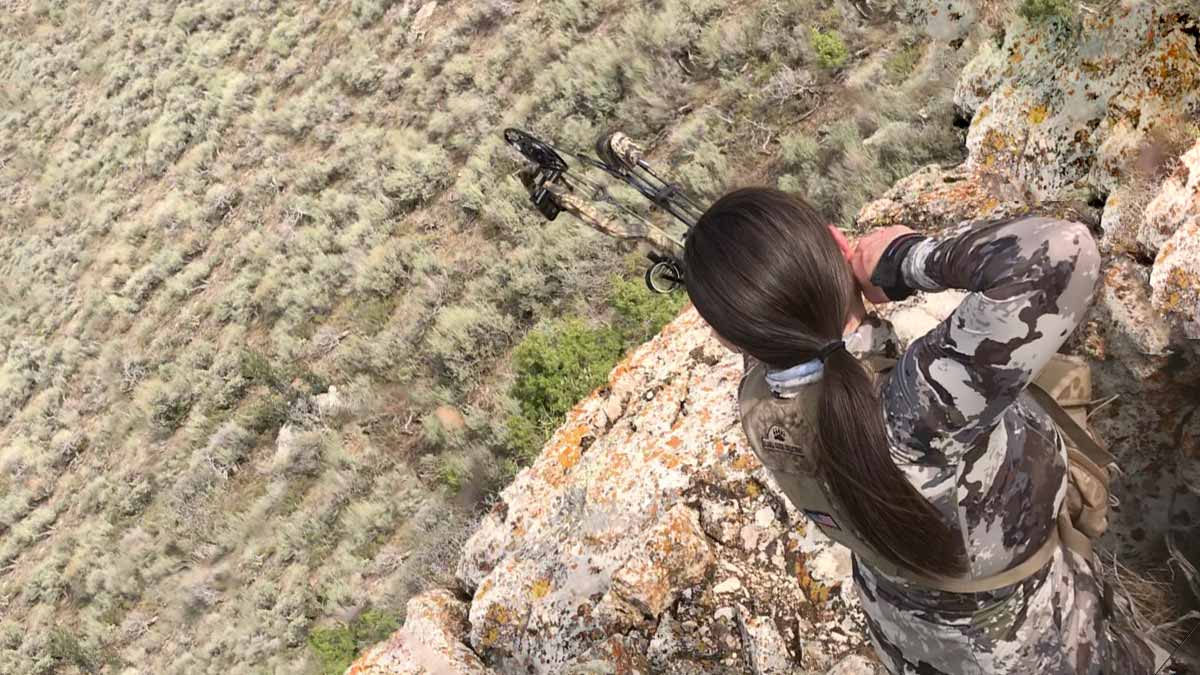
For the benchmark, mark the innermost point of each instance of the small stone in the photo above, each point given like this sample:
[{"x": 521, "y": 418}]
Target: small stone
[
  {"x": 730, "y": 585},
  {"x": 749, "y": 536},
  {"x": 724, "y": 613},
  {"x": 764, "y": 517},
  {"x": 665, "y": 644},
  {"x": 856, "y": 664},
  {"x": 767, "y": 650},
  {"x": 613, "y": 409},
  {"x": 420, "y": 22},
  {"x": 720, "y": 520},
  {"x": 831, "y": 566}
]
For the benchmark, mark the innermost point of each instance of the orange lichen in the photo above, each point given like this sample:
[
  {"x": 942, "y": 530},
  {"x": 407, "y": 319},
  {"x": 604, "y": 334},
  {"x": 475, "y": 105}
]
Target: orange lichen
[
  {"x": 1180, "y": 284},
  {"x": 1038, "y": 114},
  {"x": 745, "y": 461},
  {"x": 564, "y": 453},
  {"x": 497, "y": 615},
  {"x": 540, "y": 588}
]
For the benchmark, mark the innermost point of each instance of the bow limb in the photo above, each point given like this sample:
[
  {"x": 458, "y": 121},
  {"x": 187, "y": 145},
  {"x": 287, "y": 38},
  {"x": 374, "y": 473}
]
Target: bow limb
[{"x": 618, "y": 229}]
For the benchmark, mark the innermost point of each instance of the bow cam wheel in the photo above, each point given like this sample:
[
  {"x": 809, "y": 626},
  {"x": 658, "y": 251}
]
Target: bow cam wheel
[{"x": 535, "y": 150}]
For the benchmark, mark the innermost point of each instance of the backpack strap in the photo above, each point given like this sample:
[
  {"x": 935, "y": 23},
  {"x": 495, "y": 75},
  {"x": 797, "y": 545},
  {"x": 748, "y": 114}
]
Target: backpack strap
[
  {"x": 1087, "y": 444},
  {"x": 1008, "y": 577}
]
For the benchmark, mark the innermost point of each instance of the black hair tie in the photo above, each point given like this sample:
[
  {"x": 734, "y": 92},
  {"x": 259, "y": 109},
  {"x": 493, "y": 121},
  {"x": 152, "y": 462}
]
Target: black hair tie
[{"x": 829, "y": 349}]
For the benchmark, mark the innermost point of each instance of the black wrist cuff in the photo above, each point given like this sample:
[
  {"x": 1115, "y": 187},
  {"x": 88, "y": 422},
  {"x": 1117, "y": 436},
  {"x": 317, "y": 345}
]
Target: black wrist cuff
[{"x": 888, "y": 274}]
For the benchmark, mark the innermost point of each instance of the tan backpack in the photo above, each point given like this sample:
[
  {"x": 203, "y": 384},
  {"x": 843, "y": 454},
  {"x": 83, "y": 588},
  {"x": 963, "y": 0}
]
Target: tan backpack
[{"x": 782, "y": 432}]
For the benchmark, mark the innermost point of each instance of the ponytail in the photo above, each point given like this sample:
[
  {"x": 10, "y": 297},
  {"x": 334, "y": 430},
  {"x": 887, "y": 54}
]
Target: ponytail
[
  {"x": 764, "y": 271},
  {"x": 855, "y": 458}
]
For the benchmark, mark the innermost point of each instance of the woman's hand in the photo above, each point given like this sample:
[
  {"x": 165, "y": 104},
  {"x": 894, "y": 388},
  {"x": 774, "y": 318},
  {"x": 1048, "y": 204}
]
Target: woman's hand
[{"x": 865, "y": 255}]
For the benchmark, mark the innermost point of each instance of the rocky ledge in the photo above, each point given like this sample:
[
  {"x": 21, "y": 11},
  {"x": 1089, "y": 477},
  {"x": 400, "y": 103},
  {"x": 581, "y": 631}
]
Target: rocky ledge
[{"x": 645, "y": 538}]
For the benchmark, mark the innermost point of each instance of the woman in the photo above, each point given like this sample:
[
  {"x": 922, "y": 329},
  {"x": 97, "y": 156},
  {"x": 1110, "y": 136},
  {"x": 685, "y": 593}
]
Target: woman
[{"x": 944, "y": 477}]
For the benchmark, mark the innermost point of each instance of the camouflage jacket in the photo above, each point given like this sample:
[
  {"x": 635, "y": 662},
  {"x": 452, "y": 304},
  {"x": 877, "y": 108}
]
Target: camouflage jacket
[{"x": 968, "y": 437}]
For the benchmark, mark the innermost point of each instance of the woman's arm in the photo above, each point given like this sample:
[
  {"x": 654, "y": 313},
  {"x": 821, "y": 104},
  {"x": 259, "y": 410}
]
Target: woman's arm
[{"x": 1031, "y": 280}]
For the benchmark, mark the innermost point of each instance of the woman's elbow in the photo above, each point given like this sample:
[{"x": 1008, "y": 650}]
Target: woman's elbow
[
  {"x": 1072, "y": 246},
  {"x": 1082, "y": 251}
]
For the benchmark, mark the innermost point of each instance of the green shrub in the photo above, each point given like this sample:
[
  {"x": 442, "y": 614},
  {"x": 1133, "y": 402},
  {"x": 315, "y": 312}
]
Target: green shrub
[
  {"x": 371, "y": 314},
  {"x": 463, "y": 336},
  {"x": 170, "y": 406},
  {"x": 556, "y": 365},
  {"x": 902, "y": 62},
  {"x": 266, "y": 414},
  {"x": 641, "y": 313},
  {"x": 452, "y": 471},
  {"x": 830, "y": 48},
  {"x": 65, "y": 648},
  {"x": 437, "y": 436},
  {"x": 800, "y": 151},
  {"x": 367, "y": 12},
  {"x": 337, "y": 646},
  {"x": 1042, "y": 10}
]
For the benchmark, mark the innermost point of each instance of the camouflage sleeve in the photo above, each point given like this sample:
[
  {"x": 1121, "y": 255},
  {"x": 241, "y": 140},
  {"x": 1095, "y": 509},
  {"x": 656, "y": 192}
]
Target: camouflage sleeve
[{"x": 1030, "y": 280}]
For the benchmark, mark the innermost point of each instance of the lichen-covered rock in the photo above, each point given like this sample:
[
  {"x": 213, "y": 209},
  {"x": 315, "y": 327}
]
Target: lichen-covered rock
[
  {"x": 648, "y": 518},
  {"x": 669, "y": 557},
  {"x": 1123, "y": 326},
  {"x": 934, "y": 198},
  {"x": 1175, "y": 279},
  {"x": 1175, "y": 206},
  {"x": 1072, "y": 105},
  {"x": 1172, "y": 232},
  {"x": 430, "y": 643}
]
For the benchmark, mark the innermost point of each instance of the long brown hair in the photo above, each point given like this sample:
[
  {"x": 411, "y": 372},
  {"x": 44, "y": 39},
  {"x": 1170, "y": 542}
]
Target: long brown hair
[{"x": 764, "y": 271}]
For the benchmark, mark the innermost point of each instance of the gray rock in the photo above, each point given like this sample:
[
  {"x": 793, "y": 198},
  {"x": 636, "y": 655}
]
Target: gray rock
[
  {"x": 768, "y": 653},
  {"x": 857, "y": 665}
]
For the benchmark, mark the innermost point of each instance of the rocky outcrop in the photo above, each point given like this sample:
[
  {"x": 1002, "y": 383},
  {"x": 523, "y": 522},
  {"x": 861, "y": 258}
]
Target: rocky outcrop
[
  {"x": 1172, "y": 230},
  {"x": 430, "y": 642},
  {"x": 647, "y": 537},
  {"x": 1070, "y": 105}
]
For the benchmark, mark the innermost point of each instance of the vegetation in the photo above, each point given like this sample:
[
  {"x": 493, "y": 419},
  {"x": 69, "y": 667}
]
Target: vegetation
[
  {"x": 1041, "y": 10},
  {"x": 277, "y": 317},
  {"x": 337, "y": 646},
  {"x": 555, "y": 367},
  {"x": 831, "y": 50}
]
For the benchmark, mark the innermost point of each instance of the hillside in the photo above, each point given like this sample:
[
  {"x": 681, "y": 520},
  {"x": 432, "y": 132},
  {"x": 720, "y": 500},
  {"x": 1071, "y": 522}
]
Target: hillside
[
  {"x": 269, "y": 286},
  {"x": 647, "y": 538}
]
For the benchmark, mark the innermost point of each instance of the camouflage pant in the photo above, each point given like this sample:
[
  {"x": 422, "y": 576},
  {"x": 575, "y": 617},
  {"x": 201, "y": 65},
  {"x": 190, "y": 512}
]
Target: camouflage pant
[{"x": 1052, "y": 624}]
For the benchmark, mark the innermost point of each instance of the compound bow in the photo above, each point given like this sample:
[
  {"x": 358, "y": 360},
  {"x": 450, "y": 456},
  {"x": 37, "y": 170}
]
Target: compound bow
[{"x": 554, "y": 187}]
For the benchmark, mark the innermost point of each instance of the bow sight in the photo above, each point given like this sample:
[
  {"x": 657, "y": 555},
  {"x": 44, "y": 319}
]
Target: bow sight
[{"x": 554, "y": 187}]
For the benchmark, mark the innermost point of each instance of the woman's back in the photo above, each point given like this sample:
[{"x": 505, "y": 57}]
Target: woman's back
[{"x": 969, "y": 474}]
